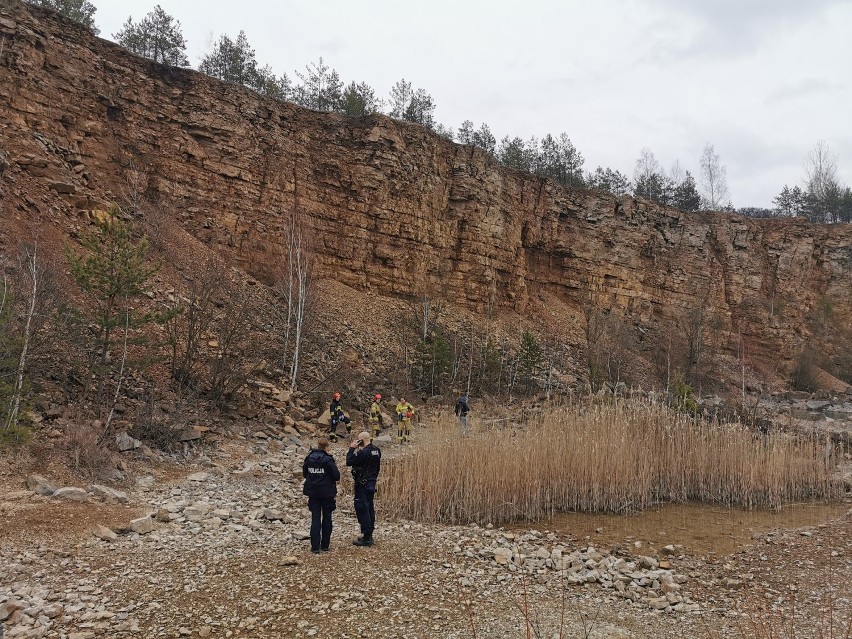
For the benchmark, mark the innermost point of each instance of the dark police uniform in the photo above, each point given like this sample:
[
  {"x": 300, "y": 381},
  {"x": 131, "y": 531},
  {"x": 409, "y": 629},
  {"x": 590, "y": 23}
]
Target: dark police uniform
[
  {"x": 365, "y": 465},
  {"x": 321, "y": 477}
]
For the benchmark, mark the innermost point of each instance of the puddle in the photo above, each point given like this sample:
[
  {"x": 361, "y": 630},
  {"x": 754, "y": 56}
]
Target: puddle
[{"x": 700, "y": 528}]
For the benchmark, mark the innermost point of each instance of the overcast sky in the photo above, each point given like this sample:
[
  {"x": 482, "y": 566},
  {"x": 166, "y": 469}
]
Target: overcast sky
[{"x": 762, "y": 80}]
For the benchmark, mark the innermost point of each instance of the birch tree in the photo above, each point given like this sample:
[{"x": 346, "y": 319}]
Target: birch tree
[
  {"x": 81, "y": 11},
  {"x": 295, "y": 292},
  {"x": 33, "y": 277},
  {"x": 714, "y": 179}
]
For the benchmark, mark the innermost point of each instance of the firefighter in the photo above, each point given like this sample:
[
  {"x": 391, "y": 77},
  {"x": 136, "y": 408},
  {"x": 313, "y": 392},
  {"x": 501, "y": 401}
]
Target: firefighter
[
  {"x": 375, "y": 419},
  {"x": 338, "y": 416},
  {"x": 404, "y": 413}
]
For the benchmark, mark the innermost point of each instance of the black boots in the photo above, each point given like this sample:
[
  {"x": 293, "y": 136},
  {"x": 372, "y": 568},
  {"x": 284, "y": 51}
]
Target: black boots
[{"x": 363, "y": 540}]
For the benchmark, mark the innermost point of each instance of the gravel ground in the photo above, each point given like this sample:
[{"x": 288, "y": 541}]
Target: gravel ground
[{"x": 219, "y": 553}]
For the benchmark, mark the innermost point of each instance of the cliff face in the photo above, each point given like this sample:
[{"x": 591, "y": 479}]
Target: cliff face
[{"x": 393, "y": 208}]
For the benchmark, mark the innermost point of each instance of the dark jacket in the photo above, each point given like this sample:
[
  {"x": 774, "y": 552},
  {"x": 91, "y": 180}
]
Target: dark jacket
[
  {"x": 337, "y": 414},
  {"x": 462, "y": 407},
  {"x": 321, "y": 475},
  {"x": 365, "y": 464}
]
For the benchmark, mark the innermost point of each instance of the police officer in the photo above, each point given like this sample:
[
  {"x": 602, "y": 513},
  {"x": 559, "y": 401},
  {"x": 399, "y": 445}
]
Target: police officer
[
  {"x": 321, "y": 477},
  {"x": 365, "y": 460}
]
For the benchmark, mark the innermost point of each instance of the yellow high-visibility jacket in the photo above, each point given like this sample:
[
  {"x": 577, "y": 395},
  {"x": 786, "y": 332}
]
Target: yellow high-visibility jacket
[
  {"x": 375, "y": 413},
  {"x": 404, "y": 411}
]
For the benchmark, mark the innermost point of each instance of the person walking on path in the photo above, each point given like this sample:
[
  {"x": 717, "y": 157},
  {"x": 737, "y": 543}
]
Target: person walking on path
[
  {"x": 375, "y": 418},
  {"x": 365, "y": 460},
  {"x": 462, "y": 409},
  {"x": 338, "y": 416},
  {"x": 321, "y": 477},
  {"x": 404, "y": 413}
]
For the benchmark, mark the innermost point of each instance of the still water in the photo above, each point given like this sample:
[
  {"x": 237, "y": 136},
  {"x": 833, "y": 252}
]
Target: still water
[{"x": 699, "y": 528}]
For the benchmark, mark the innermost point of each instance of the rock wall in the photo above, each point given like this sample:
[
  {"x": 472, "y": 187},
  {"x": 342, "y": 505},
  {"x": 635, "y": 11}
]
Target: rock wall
[{"x": 392, "y": 207}]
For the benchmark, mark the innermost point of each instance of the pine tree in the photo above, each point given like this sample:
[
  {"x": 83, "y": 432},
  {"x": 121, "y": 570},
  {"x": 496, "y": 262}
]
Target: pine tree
[
  {"x": 321, "y": 88},
  {"x": 609, "y": 180},
  {"x": 359, "y": 100},
  {"x": 112, "y": 272},
  {"x": 529, "y": 361},
  {"x": 466, "y": 132},
  {"x": 81, "y": 11},
  {"x": 413, "y": 105},
  {"x": 485, "y": 140},
  {"x": 685, "y": 195},
  {"x": 158, "y": 37},
  {"x": 513, "y": 153}
]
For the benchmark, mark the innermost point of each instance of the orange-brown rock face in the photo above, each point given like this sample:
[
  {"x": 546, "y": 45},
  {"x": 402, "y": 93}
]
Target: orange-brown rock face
[{"x": 393, "y": 207}]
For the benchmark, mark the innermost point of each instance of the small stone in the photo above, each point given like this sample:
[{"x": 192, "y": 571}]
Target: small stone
[
  {"x": 9, "y": 608},
  {"x": 109, "y": 494},
  {"x": 40, "y": 485},
  {"x": 125, "y": 442},
  {"x": 205, "y": 631},
  {"x": 289, "y": 560},
  {"x": 272, "y": 514},
  {"x": 143, "y": 525},
  {"x": 62, "y": 187},
  {"x": 71, "y": 493},
  {"x": 199, "y": 476},
  {"x": 104, "y": 533},
  {"x": 668, "y": 550},
  {"x": 145, "y": 482}
]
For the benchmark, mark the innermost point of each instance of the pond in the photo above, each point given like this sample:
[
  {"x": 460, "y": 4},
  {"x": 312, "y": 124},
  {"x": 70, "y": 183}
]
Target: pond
[{"x": 701, "y": 529}]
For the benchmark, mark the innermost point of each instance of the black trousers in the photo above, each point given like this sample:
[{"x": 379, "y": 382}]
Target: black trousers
[
  {"x": 365, "y": 509},
  {"x": 321, "y": 510}
]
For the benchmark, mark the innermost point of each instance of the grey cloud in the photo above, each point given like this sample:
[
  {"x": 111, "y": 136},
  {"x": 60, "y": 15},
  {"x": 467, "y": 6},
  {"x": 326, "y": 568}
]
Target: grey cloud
[
  {"x": 803, "y": 89},
  {"x": 734, "y": 27}
]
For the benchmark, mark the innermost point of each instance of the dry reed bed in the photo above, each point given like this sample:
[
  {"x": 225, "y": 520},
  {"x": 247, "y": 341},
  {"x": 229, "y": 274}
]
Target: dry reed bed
[{"x": 616, "y": 457}]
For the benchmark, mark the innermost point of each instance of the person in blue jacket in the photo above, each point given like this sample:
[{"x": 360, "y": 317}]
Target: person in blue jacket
[
  {"x": 365, "y": 460},
  {"x": 321, "y": 477}
]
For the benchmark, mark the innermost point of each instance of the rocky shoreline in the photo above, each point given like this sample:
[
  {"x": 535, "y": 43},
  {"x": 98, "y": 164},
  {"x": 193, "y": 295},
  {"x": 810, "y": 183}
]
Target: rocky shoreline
[{"x": 220, "y": 552}]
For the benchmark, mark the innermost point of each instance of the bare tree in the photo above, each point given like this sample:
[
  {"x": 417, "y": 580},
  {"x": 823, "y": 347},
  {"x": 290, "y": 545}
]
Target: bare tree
[
  {"x": 820, "y": 170},
  {"x": 714, "y": 179},
  {"x": 647, "y": 167},
  {"x": 231, "y": 332},
  {"x": 190, "y": 320},
  {"x": 36, "y": 282},
  {"x": 33, "y": 274},
  {"x": 134, "y": 189},
  {"x": 296, "y": 292}
]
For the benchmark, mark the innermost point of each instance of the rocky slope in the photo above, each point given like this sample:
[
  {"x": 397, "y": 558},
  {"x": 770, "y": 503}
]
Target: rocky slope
[{"x": 393, "y": 208}]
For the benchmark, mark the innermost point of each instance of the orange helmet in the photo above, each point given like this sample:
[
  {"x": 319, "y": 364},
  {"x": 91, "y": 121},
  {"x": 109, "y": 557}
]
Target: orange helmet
[
  {"x": 377, "y": 397},
  {"x": 336, "y": 396}
]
